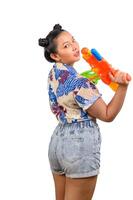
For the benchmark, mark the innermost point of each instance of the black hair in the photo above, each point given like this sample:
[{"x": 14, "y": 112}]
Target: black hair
[{"x": 48, "y": 42}]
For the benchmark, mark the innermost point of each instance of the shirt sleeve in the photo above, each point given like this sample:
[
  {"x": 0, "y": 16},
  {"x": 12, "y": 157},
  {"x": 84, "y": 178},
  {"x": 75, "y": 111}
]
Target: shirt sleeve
[{"x": 85, "y": 93}]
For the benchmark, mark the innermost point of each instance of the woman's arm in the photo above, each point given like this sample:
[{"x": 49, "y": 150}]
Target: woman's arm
[{"x": 108, "y": 112}]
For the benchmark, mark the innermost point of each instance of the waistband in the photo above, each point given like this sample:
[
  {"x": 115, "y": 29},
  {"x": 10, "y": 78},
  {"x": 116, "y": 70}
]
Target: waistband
[{"x": 80, "y": 124}]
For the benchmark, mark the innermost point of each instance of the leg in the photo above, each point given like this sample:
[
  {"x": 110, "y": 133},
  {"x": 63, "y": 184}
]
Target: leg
[
  {"x": 59, "y": 181},
  {"x": 80, "y": 188}
]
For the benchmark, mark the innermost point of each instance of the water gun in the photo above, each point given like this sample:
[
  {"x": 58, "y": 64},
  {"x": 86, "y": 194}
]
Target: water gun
[
  {"x": 91, "y": 75},
  {"x": 100, "y": 68}
]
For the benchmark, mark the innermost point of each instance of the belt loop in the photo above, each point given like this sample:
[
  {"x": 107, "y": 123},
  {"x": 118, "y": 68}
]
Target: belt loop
[
  {"x": 81, "y": 123},
  {"x": 91, "y": 124}
]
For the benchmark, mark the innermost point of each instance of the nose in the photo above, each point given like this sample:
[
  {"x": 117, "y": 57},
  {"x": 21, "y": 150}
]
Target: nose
[{"x": 74, "y": 47}]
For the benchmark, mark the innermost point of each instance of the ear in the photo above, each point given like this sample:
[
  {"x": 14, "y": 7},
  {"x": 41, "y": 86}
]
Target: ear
[{"x": 55, "y": 57}]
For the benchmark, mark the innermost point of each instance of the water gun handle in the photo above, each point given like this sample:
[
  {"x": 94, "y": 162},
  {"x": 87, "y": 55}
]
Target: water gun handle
[{"x": 91, "y": 75}]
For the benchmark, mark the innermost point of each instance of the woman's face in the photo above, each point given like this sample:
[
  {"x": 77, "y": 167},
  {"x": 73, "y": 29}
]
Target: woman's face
[{"x": 68, "y": 50}]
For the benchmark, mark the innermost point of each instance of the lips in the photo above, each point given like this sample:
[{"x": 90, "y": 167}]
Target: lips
[{"x": 76, "y": 53}]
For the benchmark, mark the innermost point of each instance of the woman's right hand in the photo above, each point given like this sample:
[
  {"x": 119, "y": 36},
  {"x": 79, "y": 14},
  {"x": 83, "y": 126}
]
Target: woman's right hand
[
  {"x": 120, "y": 77},
  {"x": 108, "y": 112}
]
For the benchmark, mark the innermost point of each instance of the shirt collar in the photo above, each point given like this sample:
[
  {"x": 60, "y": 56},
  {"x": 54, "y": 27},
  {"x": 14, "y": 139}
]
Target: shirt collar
[{"x": 70, "y": 68}]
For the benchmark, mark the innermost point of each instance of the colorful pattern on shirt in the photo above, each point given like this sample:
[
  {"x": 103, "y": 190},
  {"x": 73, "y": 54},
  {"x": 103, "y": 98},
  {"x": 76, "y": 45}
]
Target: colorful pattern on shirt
[{"x": 70, "y": 94}]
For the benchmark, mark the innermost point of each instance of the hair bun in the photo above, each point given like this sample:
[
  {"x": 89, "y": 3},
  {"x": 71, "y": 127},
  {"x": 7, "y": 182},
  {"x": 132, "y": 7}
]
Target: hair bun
[
  {"x": 57, "y": 27},
  {"x": 43, "y": 42}
]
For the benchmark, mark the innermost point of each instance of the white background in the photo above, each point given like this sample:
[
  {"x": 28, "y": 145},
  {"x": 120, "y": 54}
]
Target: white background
[{"x": 26, "y": 122}]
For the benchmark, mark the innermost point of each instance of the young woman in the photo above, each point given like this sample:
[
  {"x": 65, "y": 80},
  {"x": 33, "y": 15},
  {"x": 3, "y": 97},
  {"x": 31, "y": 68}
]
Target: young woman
[{"x": 74, "y": 149}]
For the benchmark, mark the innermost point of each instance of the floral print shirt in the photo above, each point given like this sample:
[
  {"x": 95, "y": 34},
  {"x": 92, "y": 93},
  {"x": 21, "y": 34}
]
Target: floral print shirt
[{"x": 70, "y": 94}]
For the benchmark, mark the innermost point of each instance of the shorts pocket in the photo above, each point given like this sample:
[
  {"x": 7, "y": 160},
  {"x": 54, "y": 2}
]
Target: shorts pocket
[{"x": 72, "y": 148}]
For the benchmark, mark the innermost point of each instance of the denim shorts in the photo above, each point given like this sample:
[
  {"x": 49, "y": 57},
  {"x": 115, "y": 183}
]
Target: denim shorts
[{"x": 74, "y": 149}]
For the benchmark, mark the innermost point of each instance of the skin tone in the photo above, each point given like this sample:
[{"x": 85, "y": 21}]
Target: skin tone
[{"x": 68, "y": 51}]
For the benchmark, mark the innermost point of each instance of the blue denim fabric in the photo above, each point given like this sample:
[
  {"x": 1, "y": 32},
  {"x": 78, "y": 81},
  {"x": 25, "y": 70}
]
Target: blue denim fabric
[{"x": 74, "y": 149}]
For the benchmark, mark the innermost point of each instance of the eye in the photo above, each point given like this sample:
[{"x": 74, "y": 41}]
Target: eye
[{"x": 67, "y": 45}]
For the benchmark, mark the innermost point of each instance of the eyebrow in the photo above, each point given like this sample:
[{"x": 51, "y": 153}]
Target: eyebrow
[{"x": 67, "y": 41}]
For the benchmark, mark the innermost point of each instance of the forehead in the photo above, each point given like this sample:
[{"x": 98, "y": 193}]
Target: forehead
[{"x": 64, "y": 37}]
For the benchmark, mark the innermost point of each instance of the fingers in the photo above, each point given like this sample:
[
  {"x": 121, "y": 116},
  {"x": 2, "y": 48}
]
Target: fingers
[
  {"x": 115, "y": 77},
  {"x": 128, "y": 77},
  {"x": 111, "y": 77},
  {"x": 120, "y": 77}
]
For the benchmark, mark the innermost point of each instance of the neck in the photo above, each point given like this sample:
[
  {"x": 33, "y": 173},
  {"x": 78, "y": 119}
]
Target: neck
[{"x": 70, "y": 64}]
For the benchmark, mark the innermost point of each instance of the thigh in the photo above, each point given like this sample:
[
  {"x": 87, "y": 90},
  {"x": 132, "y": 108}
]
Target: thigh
[
  {"x": 59, "y": 181},
  {"x": 80, "y": 188}
]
